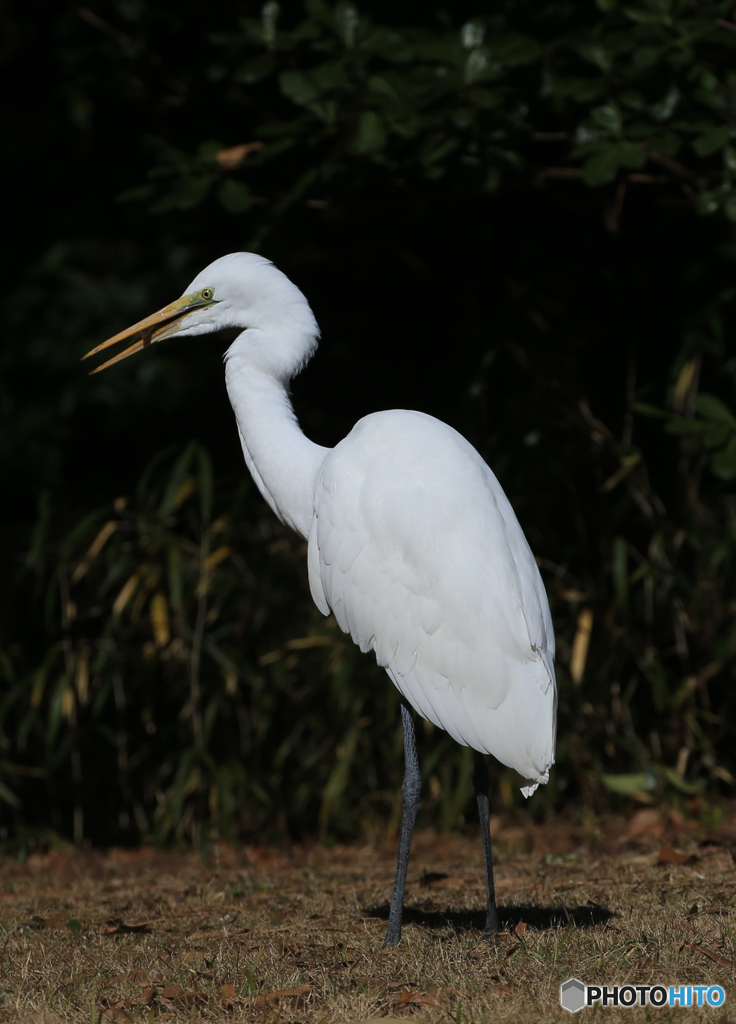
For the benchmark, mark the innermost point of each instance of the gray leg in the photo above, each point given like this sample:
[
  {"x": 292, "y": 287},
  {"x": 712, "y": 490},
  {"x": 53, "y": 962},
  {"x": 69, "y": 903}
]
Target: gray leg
[
  {"x": 410, "y": 795},
  {"x": 481, "y": 783}
]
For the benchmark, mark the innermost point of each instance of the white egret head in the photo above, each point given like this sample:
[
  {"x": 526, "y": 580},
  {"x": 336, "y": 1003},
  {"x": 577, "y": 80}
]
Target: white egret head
[{"x": 241, "y": 291}]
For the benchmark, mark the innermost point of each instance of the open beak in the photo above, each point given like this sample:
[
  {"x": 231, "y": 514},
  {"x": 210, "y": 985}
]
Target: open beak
[{"x": 160, "y": 325}]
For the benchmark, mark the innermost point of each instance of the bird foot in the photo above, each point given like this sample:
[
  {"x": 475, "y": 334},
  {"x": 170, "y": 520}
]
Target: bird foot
[{"x": 492, "y": 928}]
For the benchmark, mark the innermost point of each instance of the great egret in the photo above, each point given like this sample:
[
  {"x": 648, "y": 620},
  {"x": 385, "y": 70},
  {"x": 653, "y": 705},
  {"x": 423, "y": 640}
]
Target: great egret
[{"x": 412, "y": 544}]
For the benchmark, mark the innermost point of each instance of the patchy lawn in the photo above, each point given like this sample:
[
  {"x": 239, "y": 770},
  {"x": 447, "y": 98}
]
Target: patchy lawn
[{"x": 250, "y": 934}]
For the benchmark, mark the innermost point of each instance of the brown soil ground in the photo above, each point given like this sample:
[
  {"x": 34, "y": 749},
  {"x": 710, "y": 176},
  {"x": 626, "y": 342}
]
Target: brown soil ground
[{"x": 251, "y": 934}]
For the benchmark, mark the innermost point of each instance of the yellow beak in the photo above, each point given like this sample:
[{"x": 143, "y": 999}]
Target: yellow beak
[{"x": 154, "y": 328}]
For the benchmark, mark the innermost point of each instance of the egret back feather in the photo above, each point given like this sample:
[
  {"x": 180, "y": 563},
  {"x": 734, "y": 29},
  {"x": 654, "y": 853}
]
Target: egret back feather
[{"x": 416, "y": 550}]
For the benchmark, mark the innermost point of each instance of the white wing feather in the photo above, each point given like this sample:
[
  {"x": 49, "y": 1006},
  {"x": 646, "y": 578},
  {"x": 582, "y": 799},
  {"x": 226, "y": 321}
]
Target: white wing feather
[{"x": 416, "y": 550}]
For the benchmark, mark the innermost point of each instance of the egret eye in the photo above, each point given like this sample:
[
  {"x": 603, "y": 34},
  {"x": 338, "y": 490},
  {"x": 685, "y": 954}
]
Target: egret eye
[{"x": 207, "y": 293}]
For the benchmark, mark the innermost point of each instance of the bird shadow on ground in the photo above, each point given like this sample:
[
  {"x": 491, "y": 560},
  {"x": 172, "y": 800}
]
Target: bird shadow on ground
[{"x": 539, "y": 918}]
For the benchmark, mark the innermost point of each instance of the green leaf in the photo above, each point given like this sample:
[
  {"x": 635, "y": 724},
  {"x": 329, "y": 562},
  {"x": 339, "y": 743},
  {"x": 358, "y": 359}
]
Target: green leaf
[
  {"x": 318, "y": 9},
  {"x": 344, "y": 757},
  {"x": 175, "y": 492},
  {"x": 190, "y": 193},
  {"x": 714, "y": 409},
  {"x": 606, "y": 117},
  {"x": 632, "y": 98},
  {"x": 594, "y": 53},
  {"x": 8, "y": 796},
  {"x": 234, "y": 195},
  {"x": 486, "y": 99},
  {"x": 269, "y": 17},
  {"x": 583, "y": 90},
  {"x": 646, "y": 17},
  {"x": 382, "y": 87},
  {"x": 435, "y": 152},
  {"x": 175, "y": 575},
  {"x": 329, "y": 75},
  {"x": 478, "y": 67},
  {"x": 712, "y": 140},
  {"x": 706, "y": 203},
  {"x": 472, "y": 34},
  {"x": 645, "y": 57},
  {"x": 209, "y": 149},
  {"x": 370, "y": 135},
  {"x": 256, "y": 69},
  {"x": 723, "y": 462},
  {"x": 620, "y": 572},
  {"x": 668, "y": 143},
  {"x": 511, "y": 49},
  {"x": 604, "y": 165},
  {"x": 298, "y": 87},
  {"x": 626, "y": 785},
  {"x": 645, "y": 409},
  {"x": 684, "y": 426},
  {"x": 347, "y": 20},
  {"x": 675, "y": 780},
  {"x": 205, "y": 482},
  {"x": 663, "y": 110}
]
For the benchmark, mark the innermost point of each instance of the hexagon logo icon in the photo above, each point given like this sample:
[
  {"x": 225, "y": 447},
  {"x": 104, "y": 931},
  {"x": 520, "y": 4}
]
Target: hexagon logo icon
[{"x": 572, "y": 995}]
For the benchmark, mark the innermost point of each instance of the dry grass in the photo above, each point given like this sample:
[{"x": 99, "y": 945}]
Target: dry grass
[{"x": 131, "y": 935}]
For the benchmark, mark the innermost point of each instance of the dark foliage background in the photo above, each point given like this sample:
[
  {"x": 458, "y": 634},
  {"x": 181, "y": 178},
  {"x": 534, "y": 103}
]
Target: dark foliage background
[{"x": 519, "y": 221}]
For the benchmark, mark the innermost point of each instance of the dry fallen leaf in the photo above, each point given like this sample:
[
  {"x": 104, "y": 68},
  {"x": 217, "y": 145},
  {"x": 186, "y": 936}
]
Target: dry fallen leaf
[
  {"x": 669, "y": 856},
  {"x": 55, "y": 921},
  {"x": 722, "y": 961},
  {"x": 408, "y": 998},
  {"x": 647, "y": 821},
  {"x": 436, "y": 993},
  {"x": 116, "y": 1013},
  {"x": 503, "y": 991},
  {"x": 233, "y": 156},
  {"x": 520, "y": 929},
  {"x": 137, "y": 976},
  {"x": 268, "y": 998},
  {"x": 228, "y": 996},
  {"x": 190, "y": 999},
  {"x": 115, "y": 927},
  {"x": 120, "y": 1004},
  {"x": 175, "y": 994},
  {"x": 696, "y": 909}
]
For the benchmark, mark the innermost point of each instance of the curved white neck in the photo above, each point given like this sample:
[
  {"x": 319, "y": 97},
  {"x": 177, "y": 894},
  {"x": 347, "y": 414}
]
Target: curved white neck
[{"x": 282, "y": 461}]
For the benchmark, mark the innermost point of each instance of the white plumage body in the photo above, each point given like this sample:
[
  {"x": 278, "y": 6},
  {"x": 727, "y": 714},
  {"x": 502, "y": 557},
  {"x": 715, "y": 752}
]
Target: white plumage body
[
  {"x": 416, "y": 550},
  {"x": 412, "y": 542}
]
